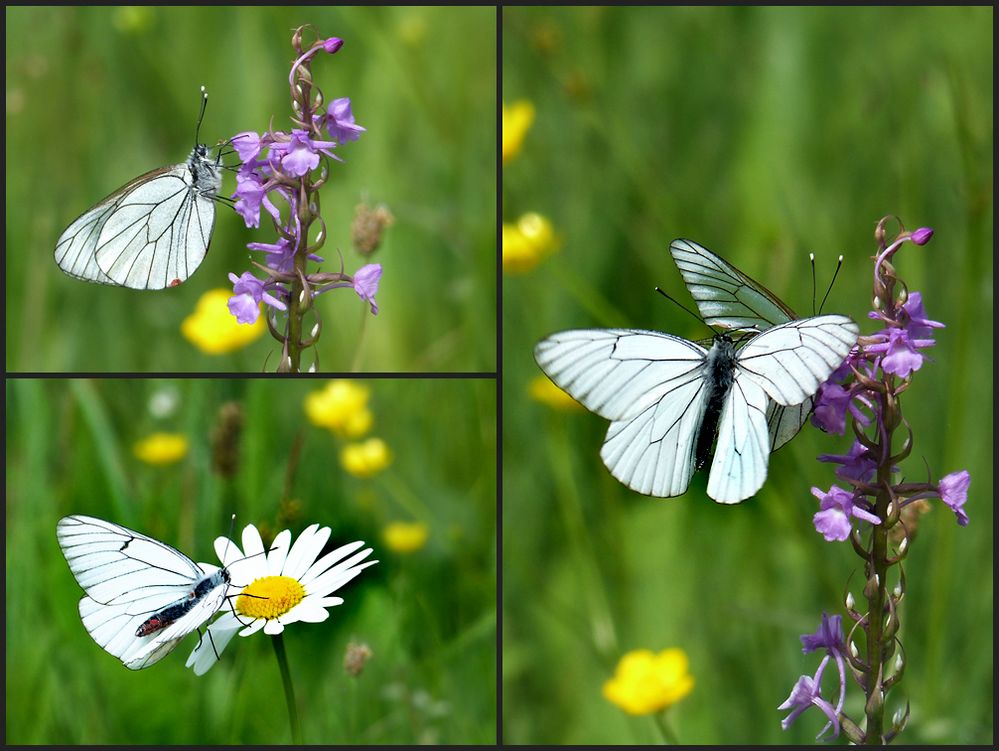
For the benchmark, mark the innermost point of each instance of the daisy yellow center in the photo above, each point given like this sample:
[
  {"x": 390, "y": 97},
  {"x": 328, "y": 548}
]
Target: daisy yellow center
[{"x": 270, "y": 597}]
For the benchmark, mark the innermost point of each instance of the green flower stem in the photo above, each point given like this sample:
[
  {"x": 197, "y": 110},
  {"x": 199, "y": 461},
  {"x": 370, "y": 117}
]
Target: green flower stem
[
  {"x": 669, "y": 738},
  {"x": 289, "y": 690}
]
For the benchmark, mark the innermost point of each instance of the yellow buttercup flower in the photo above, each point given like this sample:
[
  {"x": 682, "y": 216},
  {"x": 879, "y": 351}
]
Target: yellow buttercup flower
[
  {"x": 645, "y": 682},
  {"x": 405, "y": 537},
  {"x": 213, "y": 329},
  {"x": 527, "y": 243},
  {"x": 543, "y": 390},
  {"x": 517, "y": 119},
  {"x": 161, "y": 449},
  {"x": 366, "y": 459},
  {"x": 342, "y": 407}
]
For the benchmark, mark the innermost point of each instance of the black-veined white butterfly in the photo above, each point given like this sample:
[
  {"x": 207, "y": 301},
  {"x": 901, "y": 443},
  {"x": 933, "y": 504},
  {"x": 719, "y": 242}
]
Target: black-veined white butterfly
[
  {"x": 142, "y": 596},
  {"x": 151, "y": 233},
  {"x": 670, "y": 399}
]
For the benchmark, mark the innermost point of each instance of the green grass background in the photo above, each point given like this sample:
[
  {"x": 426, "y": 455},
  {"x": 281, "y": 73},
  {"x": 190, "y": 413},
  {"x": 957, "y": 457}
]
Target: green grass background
[
  {"x": 763, "y": 133},
  {"x": 429, "y": 617},
  {"x": 97, "y": 96}
]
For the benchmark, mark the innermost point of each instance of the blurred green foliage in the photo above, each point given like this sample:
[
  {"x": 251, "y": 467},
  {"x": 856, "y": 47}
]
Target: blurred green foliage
[
  {"x": 429, "y": 616},
  {"x": 97, "y": 96},
  {"x": 763, "y": 133}
]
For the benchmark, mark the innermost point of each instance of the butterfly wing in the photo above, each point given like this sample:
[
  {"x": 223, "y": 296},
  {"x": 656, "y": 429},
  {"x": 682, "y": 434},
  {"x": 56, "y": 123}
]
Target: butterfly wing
[
  {"x": 785, "y": 422},
  {"x": 650, "y": 385},
  {"x": 151, "y": 234},
  {"x": 726, "y": 298},
  {"x": 127, "y": 577},
  {"x": 742, "y": 450},
  {"x": 792, "y": 360}
]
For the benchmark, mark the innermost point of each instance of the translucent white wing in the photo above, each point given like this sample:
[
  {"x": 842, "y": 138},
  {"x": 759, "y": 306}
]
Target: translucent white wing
[
  {"x": 792, "y": 360},
  {"x": 652, "y": 387},
  {"x": 742, "y": 451},
  {"x": 151, "y": 234},
  {"x": 726, "y": 298},
  {"x": 114, "y": 627},
  {"x": 785, "y": 422},
  {"x": 128, "y": 577},
  {"x": 115, "y": 564},
  {"x": 75, "y": 251}
]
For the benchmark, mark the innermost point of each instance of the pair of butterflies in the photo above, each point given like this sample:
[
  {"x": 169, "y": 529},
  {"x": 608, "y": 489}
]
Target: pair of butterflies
[
  {"x": 142, "y": 596},
  {"x": 151, "y": 233},
  {"x": 669, "y": 399}
]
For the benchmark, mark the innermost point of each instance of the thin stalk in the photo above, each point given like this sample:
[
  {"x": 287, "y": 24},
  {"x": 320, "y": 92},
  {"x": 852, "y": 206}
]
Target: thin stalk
[{"x": 289, "y": 689}]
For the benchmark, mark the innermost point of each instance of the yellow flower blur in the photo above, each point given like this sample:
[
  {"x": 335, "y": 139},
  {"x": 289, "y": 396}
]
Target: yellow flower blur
[
  {"x": 527, "y": 243},
  {"x": 405, "y": 537},
  {"x": 543, "y": 390},
  {"x": 161, "y": 449},
  {"x": 366, "y": 459},
  {"x": 517, "y": 119},
  {"x": 342, "y": 407},
  {"x": 645, "y": 682},
  {"x": 213, "y": 329}
]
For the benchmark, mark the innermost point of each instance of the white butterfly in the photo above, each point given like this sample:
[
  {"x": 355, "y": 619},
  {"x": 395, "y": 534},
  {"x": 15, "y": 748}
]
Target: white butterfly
[
  {"x": 153, "y": 232},
  {"x": 668, "y": 398},
  {"x": 143, "y": 596}
]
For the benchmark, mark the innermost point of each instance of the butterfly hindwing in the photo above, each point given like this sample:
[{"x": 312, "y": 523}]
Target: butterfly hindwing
[{"x": 650, "y": 385}]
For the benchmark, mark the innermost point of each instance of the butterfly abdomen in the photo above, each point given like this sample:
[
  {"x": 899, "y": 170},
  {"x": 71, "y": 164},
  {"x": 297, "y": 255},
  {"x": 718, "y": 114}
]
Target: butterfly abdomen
[{"x": 719, "y": 373}]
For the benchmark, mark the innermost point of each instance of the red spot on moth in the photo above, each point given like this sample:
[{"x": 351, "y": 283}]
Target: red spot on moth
[
  {"x": 174, "y": 283},
  {"x": 150, "y": 627}
]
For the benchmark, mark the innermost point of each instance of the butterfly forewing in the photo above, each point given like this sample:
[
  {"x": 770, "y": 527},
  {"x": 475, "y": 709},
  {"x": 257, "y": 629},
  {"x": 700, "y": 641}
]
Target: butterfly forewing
[
  {"x": 726, "y": 298},
  {"x": 649, "y": 384},
  {"x": 152, "y": 233},
  {"x": 791, "y": 361}
]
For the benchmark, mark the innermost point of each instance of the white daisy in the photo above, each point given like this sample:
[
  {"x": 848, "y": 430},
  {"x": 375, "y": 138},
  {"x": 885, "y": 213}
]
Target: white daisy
[{"x": 274, "y": 588}]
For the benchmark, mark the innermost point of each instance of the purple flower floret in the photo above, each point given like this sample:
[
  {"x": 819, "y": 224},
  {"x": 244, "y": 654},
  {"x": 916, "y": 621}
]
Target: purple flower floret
[
  {"x": 859, "y": 464},
  {"x": 838, "y": 506},
  {"x": 806, "y": 692},
  {"x": 901, "y": 358},
  {"x": 366, "y": 281},
  {"x": 954, "y": 492},
  {"x": 251, "y": 194},
  {"x": 339, "y": 121},
  {"x": 829, "y": 636},
  {"x": 917, "y": 324},
  {"x": 248, "y": 294},
  {"x": 301, "y": 153}
]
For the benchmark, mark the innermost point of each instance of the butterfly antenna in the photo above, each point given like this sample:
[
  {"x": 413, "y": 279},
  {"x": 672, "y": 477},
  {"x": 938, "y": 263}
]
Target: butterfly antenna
[
  {"x": 201, "y": 115},
  {"x": 811, "y": 260},
  {"x": 679, "y": 305},
  {"x": 839, "y": 265}
]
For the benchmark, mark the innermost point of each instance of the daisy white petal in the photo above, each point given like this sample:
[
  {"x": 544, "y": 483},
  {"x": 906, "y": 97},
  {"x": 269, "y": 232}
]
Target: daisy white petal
[
  {"x": 273, "y": 627},
  {"x": 253, "y": 546},
  {"x": 340, "y": 574},
  {"x": 329, "y": 602},
  {"x": 257, "y": 625},
  {"x": 304, "y": 553},
  {"x": 214, "y": 641},
  {"x": 330, "y": 559},
  {"x": 326, "y": 563},
  {"x": 278, "y": 552},
  {"x": 310, "y": 613}
]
